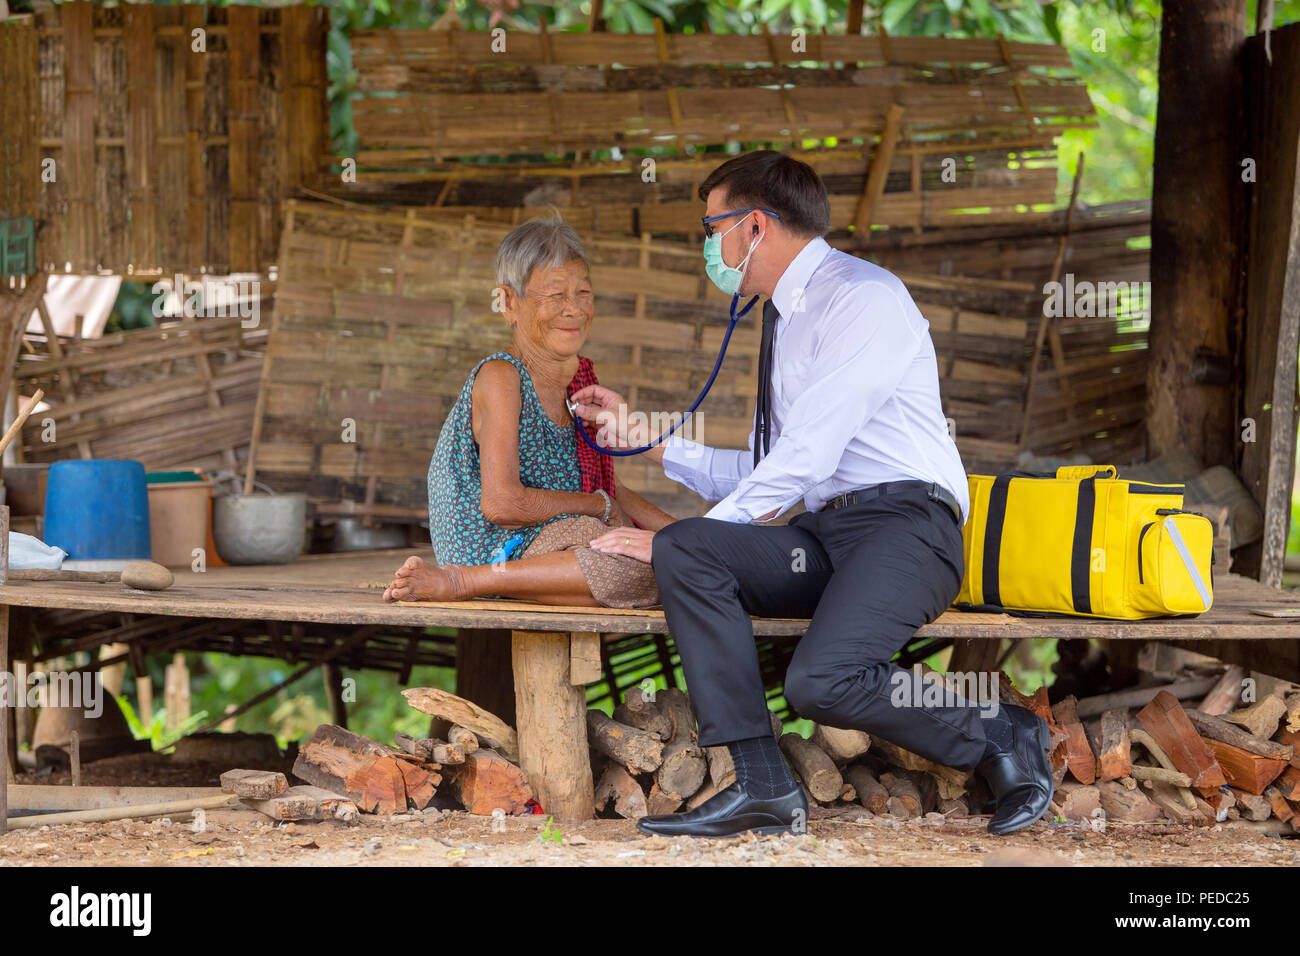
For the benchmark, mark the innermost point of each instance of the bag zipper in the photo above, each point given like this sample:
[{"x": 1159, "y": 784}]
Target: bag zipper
[{"x": 1142, "y": 534}]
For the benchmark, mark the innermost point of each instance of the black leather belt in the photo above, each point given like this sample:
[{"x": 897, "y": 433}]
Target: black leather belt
[{"x": 934, "y": 490}]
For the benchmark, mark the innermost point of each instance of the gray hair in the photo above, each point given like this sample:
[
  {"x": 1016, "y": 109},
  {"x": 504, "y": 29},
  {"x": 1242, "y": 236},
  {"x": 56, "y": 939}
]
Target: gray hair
[{"x": 549, "y": 242}]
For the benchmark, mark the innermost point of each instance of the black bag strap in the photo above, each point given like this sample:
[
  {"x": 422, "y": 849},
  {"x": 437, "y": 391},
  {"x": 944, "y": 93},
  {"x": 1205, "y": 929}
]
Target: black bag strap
[
  {"x": 1081, "y": 550},
  {"x": 997, "y": 516}
]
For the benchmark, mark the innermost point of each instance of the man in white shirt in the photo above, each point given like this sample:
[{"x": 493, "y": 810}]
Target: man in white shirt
[{"x": 852, "y": 425}]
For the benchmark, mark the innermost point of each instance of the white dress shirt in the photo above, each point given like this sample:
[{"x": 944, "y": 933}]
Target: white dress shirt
[{"x": 855, "y": 398}]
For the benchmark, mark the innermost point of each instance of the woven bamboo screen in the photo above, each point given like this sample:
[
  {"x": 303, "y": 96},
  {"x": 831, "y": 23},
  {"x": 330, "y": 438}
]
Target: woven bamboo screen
[
  {"x": 178, "y": 396},
  {"x": 168, "y": 158},
  {"x": 970, "y": 123}
]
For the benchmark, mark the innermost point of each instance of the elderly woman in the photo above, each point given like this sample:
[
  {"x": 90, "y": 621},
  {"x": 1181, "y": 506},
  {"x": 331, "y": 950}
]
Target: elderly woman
[{"x": 518, "y": 505}]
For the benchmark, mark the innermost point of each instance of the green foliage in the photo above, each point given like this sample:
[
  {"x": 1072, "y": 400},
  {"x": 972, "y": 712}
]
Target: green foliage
[
  {"x": 156, "y": 732},
  {"x": 549, "y": 834}
]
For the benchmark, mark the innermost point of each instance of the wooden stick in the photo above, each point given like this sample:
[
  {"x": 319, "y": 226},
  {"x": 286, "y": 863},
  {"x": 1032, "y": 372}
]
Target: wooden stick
[
  {"x": 124, "y": 813},
  {"x": 18, "y": 422}
]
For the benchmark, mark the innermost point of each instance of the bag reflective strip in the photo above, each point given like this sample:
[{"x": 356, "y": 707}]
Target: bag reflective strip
[{"x": 1192, "y": 569}]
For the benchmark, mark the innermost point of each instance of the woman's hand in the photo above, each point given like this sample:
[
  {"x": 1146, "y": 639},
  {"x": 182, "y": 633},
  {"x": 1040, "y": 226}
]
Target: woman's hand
[
  {"x": 633, "y": 542},
  {"x": 607, "y": 410}
]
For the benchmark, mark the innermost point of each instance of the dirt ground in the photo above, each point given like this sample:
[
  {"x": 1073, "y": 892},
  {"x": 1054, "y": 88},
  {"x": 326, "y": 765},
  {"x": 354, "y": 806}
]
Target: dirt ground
[
  {"x": 456, "y": 838},
  {"x": 849, "y": 837}
]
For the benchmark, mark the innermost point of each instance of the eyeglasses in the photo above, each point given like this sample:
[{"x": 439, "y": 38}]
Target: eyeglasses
[{"x": 709, "y": 220}]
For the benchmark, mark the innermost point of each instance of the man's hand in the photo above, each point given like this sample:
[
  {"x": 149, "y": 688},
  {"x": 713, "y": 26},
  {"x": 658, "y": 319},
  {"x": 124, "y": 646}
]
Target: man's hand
[
  {"x": 633, "y": 542},
  {"x": 607, "y": 410}
]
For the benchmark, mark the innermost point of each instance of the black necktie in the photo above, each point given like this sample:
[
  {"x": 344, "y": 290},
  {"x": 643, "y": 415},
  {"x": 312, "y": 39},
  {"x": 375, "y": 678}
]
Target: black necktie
[{"x": 763, "y": 403}]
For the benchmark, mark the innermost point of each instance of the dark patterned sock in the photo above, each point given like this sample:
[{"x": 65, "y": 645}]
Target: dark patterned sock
[
  {"x": 999, "y": 733},
  {"x": 761, "y": 770}
]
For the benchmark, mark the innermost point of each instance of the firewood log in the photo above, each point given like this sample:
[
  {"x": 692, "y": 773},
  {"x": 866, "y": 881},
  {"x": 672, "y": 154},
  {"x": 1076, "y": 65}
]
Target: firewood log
[
  {"x": 421, "y": 785},
  {"x": 1289, "y": 783},
  {"x": 722, "y": 769},
  {"x": 368, "y": 773},
  {"x": 660, "y": 801},
  {"x": 842, "y": 746},
  {"x": 1167, "y": 723},
  {"x": 306, "y": 803},
  {"x": 813, "y": 767},
  {"x": 1078, "y": 801},
  {"x": 491, "y": 730},
  {"x": 1291, "y": 719},
  {"x": 1174, "y": 778},
  {"x": 644, "y": 714},
  {"x": 676, "y": 706},
  {"x": 254, "y": 784},
  {"x": 1214, "y": 728},
  {"x": 486, "y": 781},
  {"x": 1245, "y": 770},
  {"x": 463, "y": 737},
  {"x": 637, "y": 750},
  {"x": 618, "y": 785},
  {"x": 777, "y": 727},
  {"x": 904, "y": 797},
  {"x": 418, "y": 747},
  {"x": 1115, "y": 758},
  {"x": 1124, "y": 805},
  {"x": 1079, "y": 758},
  {"x": 1170, "y": 800},
  {"x": 1281, "y": 808},
  {"x": 683, "y": 769},
  {"x": 1253, "y": 806},
  {"x": 1260, "y": 719},
  {"x": 442, "y": 753},
  {"x": 956, "y": 807},
  {"x": 871, "y": 792},
  {"x": 1225, "y": 695}
]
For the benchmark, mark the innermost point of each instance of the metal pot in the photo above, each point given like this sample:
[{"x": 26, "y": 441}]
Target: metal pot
[{"x": 259, "y": 529}]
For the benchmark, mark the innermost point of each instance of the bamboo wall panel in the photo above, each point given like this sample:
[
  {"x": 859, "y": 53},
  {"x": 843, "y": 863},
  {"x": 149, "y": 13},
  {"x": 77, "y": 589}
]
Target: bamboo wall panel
[
  {"x": 171, "y": 159},
  {"x": 178, "y": 396},
  {"x": 977, "y": 134},
  {"x": 19, "y": 118}
]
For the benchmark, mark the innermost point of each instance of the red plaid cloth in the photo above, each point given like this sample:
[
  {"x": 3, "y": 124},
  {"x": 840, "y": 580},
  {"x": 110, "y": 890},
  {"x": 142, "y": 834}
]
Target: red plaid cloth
[{"x": 597, "y": 470}]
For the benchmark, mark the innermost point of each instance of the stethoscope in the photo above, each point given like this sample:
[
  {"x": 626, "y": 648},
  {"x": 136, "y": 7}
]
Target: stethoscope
[{"x": 731, "y": 327}]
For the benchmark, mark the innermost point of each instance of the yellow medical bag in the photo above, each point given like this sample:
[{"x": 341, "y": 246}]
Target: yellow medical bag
[{"x": 1084, "y": 542}]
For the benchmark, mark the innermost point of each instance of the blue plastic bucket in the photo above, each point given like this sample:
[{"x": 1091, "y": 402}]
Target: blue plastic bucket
[{"x": 98, "y": 510}]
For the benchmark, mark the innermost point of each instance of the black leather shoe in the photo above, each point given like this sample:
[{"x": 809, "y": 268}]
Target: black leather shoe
[
  {"x": 1021, "y": 778},
  {"x": 732, "y": 812}
]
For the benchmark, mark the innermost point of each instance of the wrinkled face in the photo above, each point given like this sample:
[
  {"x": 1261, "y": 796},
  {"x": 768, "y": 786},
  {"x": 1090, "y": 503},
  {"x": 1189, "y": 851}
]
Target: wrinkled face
[{"x": 555, "y": 313}]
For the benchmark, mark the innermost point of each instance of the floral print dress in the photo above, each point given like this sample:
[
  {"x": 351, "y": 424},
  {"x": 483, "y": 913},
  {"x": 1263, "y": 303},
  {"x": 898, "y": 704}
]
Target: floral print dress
[{"x": 548, "y": 458}]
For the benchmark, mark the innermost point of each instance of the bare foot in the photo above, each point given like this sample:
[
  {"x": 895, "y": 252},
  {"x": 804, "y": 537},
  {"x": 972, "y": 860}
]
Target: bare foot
[{"x": 418, "y": 580}]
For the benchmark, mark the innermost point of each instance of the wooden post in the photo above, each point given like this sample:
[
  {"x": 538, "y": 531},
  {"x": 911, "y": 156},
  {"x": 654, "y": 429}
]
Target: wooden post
[
  {"x": 877, "y": 174},
  {"x": 6, "y": 768},
  {"x": 334, "y": 691},
  {"x": 1196, "y": 237},
  {"x": 551, "y": 721},
  {"x": 1272, "y": 334},
  {"x": 176, "y": 692}
]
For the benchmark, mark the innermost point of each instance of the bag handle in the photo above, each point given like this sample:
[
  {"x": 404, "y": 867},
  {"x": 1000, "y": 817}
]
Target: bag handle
[{"x": 1086, "y": 471}]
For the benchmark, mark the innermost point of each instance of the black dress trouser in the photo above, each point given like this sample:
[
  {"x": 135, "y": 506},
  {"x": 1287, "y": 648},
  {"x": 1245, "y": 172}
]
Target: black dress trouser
[{"x": 869, "y": 575}]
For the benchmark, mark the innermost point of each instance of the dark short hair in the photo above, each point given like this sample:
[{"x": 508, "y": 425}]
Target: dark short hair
[{"x": 767, "y": 179}]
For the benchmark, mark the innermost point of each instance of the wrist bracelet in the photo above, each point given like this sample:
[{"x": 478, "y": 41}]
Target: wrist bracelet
[{"x": 604, "y": 494}]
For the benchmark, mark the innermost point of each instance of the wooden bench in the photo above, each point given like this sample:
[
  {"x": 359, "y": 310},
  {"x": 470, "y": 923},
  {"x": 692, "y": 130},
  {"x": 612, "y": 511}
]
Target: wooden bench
[{"x": 556, "y": 651}]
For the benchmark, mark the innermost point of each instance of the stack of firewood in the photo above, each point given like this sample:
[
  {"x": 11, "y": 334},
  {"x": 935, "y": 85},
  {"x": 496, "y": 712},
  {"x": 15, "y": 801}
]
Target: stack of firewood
[
  {"x": 1196, "y": 764},
  {"x": 647, "y": 760},
  {"x": 1192, "y": 765},
  {"x": 471, "y": 763}
]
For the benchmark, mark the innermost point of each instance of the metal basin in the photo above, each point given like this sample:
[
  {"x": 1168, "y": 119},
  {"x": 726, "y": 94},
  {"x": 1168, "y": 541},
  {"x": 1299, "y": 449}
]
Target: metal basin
[{"x": 259, "y": 529}]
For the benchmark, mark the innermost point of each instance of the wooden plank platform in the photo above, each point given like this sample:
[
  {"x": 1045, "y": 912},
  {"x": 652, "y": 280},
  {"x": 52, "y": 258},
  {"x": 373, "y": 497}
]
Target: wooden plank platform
[{"x": 345, "y": 589}]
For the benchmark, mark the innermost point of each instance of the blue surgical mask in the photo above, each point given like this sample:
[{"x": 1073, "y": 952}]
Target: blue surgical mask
[{"x": 725, "y": 277}]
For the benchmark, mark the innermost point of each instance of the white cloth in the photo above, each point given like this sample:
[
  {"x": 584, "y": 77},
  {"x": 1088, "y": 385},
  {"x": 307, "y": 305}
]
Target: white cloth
[{"x": 855, "y": 398}]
